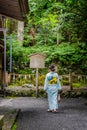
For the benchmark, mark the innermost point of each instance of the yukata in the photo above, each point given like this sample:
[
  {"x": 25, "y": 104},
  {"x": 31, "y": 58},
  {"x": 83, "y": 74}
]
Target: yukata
[{"x": 51, "y": 86}]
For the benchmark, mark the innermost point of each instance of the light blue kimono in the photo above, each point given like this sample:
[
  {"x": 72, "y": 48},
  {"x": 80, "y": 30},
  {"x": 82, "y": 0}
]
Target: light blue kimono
[{"x": 52, "y": 89}]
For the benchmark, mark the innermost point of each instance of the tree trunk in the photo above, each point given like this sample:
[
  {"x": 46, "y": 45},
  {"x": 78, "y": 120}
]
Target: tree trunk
[{"x": 20, "y": 30}]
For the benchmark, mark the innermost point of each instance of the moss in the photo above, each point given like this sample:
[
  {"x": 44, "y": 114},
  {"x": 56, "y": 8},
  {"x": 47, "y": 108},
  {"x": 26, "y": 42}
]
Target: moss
[{"x": 14, "y": 126}]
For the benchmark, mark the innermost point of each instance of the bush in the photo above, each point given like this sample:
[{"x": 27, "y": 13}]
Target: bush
[
  {"x": 65, "y": 82},
  {"x": 76, "y": 85},
  {"x": 21, "y": 82},
  {"x": 41, "y": 80}
]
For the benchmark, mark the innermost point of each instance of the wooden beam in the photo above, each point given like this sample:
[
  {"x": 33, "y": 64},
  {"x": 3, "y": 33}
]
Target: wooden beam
[{"x": 15, "y": 9}]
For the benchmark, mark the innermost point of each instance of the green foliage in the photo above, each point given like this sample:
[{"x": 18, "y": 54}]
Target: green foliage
[
  {"x": 60, "y": 32},
  {"x": 14, "y": 126},
  {"x": 67, "y": 56},
  {"x": 76, "y": 85},
  {"x": 65, "y": 82},
  {"x": 31, "y": 80},
  {"x": 67, "y": 18},
  {"x": 21, "y": 81},
  {"x": 63, "y": 21},
  {"x": 41, "y": 80}
]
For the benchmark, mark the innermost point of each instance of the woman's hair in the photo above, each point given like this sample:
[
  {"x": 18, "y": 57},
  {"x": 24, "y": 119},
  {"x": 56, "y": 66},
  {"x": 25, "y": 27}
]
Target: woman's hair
[{"x": 52, "y": 67}]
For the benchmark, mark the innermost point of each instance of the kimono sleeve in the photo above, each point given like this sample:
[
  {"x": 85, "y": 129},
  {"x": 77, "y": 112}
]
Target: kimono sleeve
[{"x": 46, "y": 84}]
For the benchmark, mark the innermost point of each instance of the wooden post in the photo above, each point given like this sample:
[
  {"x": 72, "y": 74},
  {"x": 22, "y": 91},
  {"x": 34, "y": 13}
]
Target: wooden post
[
  {"x": 25, "y": 76},
  {"x": 37, "y": 61},
  {"x": 13, "y": 76},
  {"x": 4, "y": 30},
  {"x": 20, "y": 30},
  {"x": 84, "y": 79},
  {"x": 70, "y": 80},
  {"x": 36, "y": 82}
]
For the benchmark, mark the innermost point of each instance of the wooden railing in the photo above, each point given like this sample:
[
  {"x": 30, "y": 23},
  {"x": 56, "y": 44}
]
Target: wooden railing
[{"x": 69, "y": 77}]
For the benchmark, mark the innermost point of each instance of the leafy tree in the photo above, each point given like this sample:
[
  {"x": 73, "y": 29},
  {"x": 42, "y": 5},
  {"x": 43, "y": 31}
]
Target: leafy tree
[
  {"x": 57, "y": 28},
  {"x": 79, "y": 19}
]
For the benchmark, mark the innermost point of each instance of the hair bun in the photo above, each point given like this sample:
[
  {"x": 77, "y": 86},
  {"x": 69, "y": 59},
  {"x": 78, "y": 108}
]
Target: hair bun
[{"x": 52, "y": 67}]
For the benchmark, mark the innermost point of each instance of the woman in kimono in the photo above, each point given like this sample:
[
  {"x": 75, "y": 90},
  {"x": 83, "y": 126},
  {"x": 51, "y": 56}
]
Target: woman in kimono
[{"x": 51, "y": 86}]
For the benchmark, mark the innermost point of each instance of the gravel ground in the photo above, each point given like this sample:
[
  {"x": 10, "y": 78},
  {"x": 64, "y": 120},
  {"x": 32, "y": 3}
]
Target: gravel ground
[{"x": 72, "y": 114}]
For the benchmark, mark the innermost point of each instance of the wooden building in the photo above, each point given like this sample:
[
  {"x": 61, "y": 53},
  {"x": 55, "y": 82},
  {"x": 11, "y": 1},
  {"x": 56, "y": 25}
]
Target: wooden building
[
  {"x": 16, "y": 9},
  {"x": 1, "y": 57}
]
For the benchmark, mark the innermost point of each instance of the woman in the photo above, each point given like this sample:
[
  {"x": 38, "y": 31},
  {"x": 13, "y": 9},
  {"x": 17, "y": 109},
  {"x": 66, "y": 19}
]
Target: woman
[{"x": 51, "y": 86}]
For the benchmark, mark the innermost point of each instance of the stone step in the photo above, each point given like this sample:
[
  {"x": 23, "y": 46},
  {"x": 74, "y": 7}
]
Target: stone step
[{"x": 1, "y": 121}]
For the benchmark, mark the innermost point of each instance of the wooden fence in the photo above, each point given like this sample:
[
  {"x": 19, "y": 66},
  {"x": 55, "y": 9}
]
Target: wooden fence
[{"x": 68, "y": 78}]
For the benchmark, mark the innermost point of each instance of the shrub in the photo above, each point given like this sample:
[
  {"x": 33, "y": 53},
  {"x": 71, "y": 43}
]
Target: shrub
[
  {"x": 41, "y": 80},
  {"x": 21, "y": 82},
  {"x": 76, "y": 85},
  {"x": 65, "y": 82}
]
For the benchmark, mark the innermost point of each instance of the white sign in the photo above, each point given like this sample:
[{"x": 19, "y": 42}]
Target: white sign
[{"x": 37, "y": 60}]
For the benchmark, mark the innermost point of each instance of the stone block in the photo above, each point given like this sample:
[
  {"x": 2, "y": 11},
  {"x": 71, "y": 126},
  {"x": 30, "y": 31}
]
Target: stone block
[{"x": 1, "y": 121}]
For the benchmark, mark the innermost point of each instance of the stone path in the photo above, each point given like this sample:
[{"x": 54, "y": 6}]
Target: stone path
[
  {"x": 9, "y": 111},
  {"x": 72, "y": 115}
]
